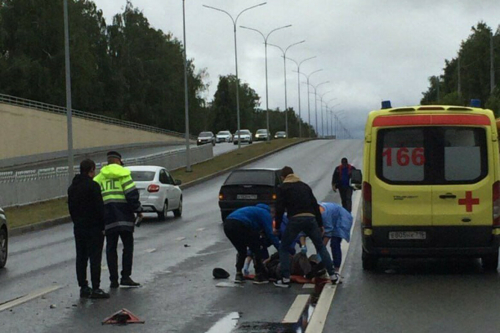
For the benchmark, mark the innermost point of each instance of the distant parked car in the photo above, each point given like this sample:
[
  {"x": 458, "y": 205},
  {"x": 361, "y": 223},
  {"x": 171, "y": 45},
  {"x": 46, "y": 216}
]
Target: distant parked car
[
  {"x": 248, "y": 187},
  {"x": 224, "y": 136},
  {"x": 206, "y": 137},
  {"x": 261, "y": 134},
  {"x": 159, "y": 193},
  {"x": 244, "y": 135},
  {"x": 280, "y": 135},
  {"x": 4, "y": 239}
]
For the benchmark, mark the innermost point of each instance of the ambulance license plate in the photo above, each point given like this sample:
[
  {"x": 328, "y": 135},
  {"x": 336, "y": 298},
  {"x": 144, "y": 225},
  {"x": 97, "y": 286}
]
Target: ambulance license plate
[
  {"x": 246, "y": 196},
  {"x": 403, "y": 235}
]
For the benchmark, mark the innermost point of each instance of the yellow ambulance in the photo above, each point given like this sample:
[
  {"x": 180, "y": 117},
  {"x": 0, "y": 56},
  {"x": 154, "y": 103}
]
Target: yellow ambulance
[{"x": 431, "y": 184}]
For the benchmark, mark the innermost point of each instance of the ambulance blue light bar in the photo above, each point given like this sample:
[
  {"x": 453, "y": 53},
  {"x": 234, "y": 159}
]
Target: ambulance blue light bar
[
  {"x": 475, "y": 103},
  {"x": 386, "y": 105}
]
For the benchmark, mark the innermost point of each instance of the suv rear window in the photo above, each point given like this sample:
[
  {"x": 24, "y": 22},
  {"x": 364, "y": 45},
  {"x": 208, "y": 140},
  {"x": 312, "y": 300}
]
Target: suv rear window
[
  {"x": 432, "y": 155},
  {"x": 142, "y": 176},
  {"x": 251, "y": 177}
]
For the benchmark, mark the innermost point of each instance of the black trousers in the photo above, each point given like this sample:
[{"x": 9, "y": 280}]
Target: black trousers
[
  {"x": 127, "y": 238},
  {"x": 242, "y": 237},
  {"x": 89, "y": 245},
  {"x": 346, "y": 196}
]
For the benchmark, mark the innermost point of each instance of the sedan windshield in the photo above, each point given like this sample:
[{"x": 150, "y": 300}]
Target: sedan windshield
[
  {"x": 205, "y": 134},
  {"x": 251, "y": 177},
  {"x": 223, "y": 133}
]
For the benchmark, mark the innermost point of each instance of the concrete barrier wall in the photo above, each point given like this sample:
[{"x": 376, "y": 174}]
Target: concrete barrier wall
[
  {"x": 24, "y": 187},
  {"x": 26, "y": 131}
]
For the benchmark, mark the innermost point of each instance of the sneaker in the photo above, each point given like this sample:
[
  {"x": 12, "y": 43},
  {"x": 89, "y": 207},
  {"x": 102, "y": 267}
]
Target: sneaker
[
  {"x": 129, "y": 282},
  {"x": 260, "y": 279},
  {"x": 239, "y": 278},
  {"x": 283, "y": 283},
  {"x": 114, "y": 284},
  {"x": 99, "y": 293},
  {"x": 85, "y": 292},
  {"x": 335, "y": 278}
]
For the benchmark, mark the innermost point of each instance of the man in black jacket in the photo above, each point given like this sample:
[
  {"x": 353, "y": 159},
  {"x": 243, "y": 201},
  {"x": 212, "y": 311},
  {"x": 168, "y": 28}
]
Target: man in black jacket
[
  {"x": 86, "y": 208},
  {"x": 297, "y": 199}
]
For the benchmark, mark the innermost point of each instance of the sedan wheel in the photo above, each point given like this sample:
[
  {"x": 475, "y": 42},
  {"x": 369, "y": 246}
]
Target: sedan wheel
[
  {"x": 3, "y": 248},
  {"x": 163, "y": 213},
  {"x": 178, "y": 211}
]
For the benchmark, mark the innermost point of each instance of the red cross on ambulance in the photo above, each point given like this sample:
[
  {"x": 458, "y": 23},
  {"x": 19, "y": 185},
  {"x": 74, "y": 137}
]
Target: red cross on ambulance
[{"x": 468, "y": 201}]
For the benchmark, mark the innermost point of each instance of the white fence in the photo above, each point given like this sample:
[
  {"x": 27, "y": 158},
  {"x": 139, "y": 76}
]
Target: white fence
[{"x": 24, "y": 187}]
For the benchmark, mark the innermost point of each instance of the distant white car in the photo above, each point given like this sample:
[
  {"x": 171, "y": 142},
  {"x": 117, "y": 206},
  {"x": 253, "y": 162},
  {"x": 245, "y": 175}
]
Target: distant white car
[
  {"x": 224, "y": 136},
  {"x": 261, "y": 134},
  {"x": 4, "y": 240},
  {"x": 159, "y": 193},
  {"x": 243, "y": 135}
]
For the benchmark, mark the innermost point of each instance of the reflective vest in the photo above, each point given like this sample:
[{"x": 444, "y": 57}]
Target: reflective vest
[{"x": 120, "y": 196}]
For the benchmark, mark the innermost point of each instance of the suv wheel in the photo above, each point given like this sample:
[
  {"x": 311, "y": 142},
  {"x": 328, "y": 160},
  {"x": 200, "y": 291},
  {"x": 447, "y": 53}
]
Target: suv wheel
[
  {"x": 3, "y": 247},
  {"x": 163, "y": 213},
  {"x": 178, "y": 211}
]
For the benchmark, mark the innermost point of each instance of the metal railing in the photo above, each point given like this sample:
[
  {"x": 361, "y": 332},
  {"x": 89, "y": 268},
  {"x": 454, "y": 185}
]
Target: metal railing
[{"x": 17, "y": 101}]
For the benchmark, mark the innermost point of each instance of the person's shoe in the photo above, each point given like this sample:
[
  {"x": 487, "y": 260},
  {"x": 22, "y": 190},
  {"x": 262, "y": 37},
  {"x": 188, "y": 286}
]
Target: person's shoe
[
  {"x": 239, "y": 278},
  {"x": 283, "y": 283},
  {"x": 99, "y": 293},
  {"x": 85, "y": 292},
  {"x": 114, "y": 284},
  {"x": 335, "y": 278},
  {"x": 260, "y": 279},
  {"x": 129, "y": 282}
]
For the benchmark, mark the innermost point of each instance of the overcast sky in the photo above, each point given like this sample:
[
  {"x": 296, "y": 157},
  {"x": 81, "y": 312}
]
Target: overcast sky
[{"x": 369, "y": 50}]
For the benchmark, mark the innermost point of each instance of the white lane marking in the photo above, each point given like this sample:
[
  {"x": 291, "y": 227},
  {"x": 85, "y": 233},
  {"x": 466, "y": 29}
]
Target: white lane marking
[
  {"x": 28, "y": 297},
  {"x": 228, "y": 285},
  {"x": 308, "y": 286},
  {"x": 295, "y": 312},
  {"x": 150, "y": 250},
  {"x": 320, "y": 314},
  {"x": 200, "y": 229},
  {"x": 180, "y": 238}
]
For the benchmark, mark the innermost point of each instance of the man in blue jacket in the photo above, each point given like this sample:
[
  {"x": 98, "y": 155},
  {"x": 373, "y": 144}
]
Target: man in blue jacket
[
  {"x": 243, "y": 228},
  {"x": 337, "y": 222}
]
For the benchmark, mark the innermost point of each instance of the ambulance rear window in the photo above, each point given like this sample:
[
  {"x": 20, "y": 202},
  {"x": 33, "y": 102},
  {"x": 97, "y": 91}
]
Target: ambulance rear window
[{"x": 432, "y": 155}]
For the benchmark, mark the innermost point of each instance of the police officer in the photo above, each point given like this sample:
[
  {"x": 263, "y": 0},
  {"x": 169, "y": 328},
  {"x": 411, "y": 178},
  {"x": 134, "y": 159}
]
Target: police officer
[{"x": 121, "y": 201}]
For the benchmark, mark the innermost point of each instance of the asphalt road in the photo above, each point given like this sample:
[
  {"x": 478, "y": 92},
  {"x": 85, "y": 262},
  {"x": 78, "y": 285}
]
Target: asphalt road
[
  {"x": 100, "y": 157},
  {"x": 173, "y": 260}
]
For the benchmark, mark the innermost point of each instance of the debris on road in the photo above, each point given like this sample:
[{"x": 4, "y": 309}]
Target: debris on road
[
  {"x": 122, "y": 317},
  {"x": 187, "y": 245},
  {"x": 220, "y": 273},
  {"x": 53, "y": 306}
]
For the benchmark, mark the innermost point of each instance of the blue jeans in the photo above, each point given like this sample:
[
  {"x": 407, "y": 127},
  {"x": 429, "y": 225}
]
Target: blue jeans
[
  {"x": 309, "y": 226},
  {"x": 336, "y": 251}
]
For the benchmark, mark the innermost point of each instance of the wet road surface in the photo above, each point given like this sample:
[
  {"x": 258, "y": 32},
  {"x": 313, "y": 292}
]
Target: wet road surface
[{"x": 172, "y": 259}]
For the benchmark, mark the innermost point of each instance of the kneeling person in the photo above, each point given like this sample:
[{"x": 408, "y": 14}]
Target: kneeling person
[{"x": 243, "y": 228}]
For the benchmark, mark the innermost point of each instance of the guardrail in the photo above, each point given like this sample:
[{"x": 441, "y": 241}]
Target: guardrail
[
  {"x": 30, "y": 186},
  {"x": 17, "y": 101}
]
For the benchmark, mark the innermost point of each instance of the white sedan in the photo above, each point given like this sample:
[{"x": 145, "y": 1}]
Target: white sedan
[{"x": 159, "y": 193}]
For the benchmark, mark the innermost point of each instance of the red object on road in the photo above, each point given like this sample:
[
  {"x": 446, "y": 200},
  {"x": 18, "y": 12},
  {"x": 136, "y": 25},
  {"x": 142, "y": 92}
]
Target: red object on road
[{"x": 122, "y": 317}]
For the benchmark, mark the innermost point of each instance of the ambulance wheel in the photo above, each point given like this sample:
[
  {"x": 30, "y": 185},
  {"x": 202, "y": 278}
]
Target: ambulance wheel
[
  {"x": 490, "y": 262},
  {"x": 369, "y": 261},
  {"x": 3, "y": 247}
]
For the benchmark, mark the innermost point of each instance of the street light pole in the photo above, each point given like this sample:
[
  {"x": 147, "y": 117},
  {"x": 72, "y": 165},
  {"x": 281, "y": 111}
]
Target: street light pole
[
  {"x": 308, "y": 97},
  {"x": 298, "y": 87},
  {"x": 69, "y": 114},
  {"x": 316, "y": 101},
  {"x": 186, "y": 96},
  {"x": 321, "y": 105},
  {"x": 235, "y": 21},
  {"x": 330, "y": 129},
  {"x": 267, "y": 86},
  {"x": 284, "y": 71}
]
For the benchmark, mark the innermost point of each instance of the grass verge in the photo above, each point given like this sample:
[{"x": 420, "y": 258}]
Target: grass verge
[{"x": 52, "y": 209}]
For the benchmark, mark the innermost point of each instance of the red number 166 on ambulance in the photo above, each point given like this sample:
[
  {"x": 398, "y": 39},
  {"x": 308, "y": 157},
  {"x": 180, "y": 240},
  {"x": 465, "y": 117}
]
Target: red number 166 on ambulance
[{"x": 431, "y": 184}]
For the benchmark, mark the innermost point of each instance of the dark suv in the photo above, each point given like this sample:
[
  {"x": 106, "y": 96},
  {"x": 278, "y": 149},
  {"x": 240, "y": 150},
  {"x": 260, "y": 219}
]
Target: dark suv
[
  {"x": 4, "y": 240},
  {"x": 248, "y": 187}
]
